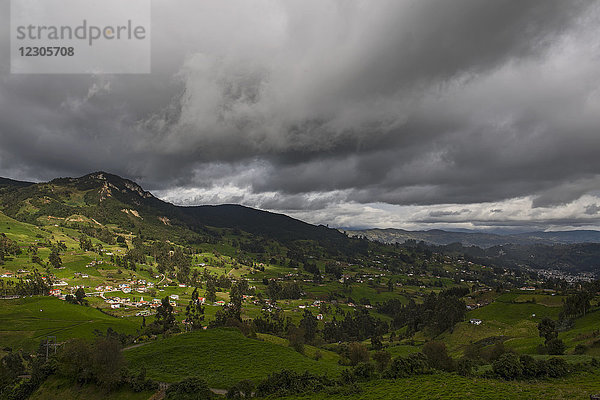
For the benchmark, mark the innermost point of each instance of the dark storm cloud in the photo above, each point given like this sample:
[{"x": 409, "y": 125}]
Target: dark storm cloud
[{"x": 310, "y": 105}]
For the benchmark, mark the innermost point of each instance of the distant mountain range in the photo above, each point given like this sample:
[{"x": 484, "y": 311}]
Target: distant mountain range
[
  {"x": 483, "y": 240},
  {"x": 98, "y": 200}
]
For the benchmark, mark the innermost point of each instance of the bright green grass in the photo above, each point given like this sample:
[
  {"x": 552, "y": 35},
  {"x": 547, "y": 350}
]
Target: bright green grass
[
  {"x": 309, "y": 351},
  {"x": 515, "y": 321},
  {"x": 221, "y": 356},
  {"x": 59, "y": 388},
  {"x": 546, "y": 300},
  {"x": 26, "y": 321},
  {"x": 451, "y": 386},
  {"x": 511, "y": 313},
  {"x": 19, "y": 231}
]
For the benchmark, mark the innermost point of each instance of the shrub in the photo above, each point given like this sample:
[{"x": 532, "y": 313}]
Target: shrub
[
  {"x": 464, "y": 366},
  {"x": 580, "y": 349},
  {"x": 242, "y": 389},
  {"x": 414, "y": 364},
  {"x": 555, "y": 347},
  {"x": 382, "y": 359},
  {"x": 508, "y": 366},
  {"x": 189, "y": 389},
  {"x": 360, "y": 373},
  {"x": 288, "y": 382},
  {"x": 556, "y": 367},
  {"x": 531, "y": 368},
  {"x": 437, "y": 356},
  {"x": 357, "y": 353}
]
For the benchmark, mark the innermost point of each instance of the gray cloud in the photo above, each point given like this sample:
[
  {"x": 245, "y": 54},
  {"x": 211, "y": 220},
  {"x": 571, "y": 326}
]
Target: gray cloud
[{"x": 326, "y": 106}]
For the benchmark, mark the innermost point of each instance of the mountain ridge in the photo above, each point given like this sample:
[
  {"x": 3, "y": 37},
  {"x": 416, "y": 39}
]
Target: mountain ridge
[
  {"x": 109, "y": 198},
  {"x": 480, "y": 239}
]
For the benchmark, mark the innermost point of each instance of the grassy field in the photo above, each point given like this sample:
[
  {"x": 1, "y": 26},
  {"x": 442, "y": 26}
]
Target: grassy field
[
  {"x": 222, "y": 357},
  {"x": 451, "y": 386},
  {"x": 26, "y": 321}
]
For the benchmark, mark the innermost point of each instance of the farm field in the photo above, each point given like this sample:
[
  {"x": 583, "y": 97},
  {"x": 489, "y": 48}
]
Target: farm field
[
  {"x": 27, "y": 321},
  {"x": 222, "y": 357}
]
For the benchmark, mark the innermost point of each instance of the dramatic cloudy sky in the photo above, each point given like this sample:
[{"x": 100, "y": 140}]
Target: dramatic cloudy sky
[{"x": 410, "y": 114}]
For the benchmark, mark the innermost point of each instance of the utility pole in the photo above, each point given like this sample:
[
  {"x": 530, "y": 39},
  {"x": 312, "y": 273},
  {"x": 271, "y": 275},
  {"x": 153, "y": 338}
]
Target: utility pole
[{"x": 50, "y": 341}]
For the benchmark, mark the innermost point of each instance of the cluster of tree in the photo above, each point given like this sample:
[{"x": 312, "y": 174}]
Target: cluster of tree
[
  {"x": 513, "y": 366},
  {"x": 270, "y": 322},
  {"x": 288, "y": 383},
  {"x": 552, "y": 344},
  {"x": 334, "y": 269},
  {"x": 189, "y": 389},
  {"x": 8, "y": 247},
  {"x": 437, "y": 313},
  {"x": 85, "y": 243},
  {"x": 165, "y": 319},
  {"x": 231, "y": 313},
  {"x": 577, "y": 304},
  {"x": 279, "y": 291},
  {"x": 172, "y": 260},
  {"x": 354, "y": 326},
  {"x": 102, "y": 234},
  {"x": 99, "y": 362},
  {"x": 194, "y": 312},
  {"x": 14, "y": 365},
  {"x": 78, "y": 298},
  {"x": 32, "y": 284}
]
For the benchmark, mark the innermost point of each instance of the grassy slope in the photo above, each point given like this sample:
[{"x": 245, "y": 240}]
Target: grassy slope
[
  {"x": 451, "y": 386},
  {"x": 221, "y": 356},
  {"x": 515, "y": 321},
  {"x": 26, "y": 321}
]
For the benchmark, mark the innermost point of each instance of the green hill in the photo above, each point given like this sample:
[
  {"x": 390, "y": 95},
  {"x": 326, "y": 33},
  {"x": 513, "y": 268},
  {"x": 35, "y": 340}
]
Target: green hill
[
  {"x": 26, "y": 321},
  {"x": 222, "y": 357}
]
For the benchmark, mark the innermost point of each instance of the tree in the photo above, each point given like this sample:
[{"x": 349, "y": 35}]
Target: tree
[
  {"x": 295, "y": 337},
  {"x": 194, "y": 312},
  {"x": 390, "y": 285},
  {"x": 309, "y": 324},
  {"x": 108, "y": 361},
  {"x": 358, "y": 352},
  {"x": 189, "y": 389},
  {"x": 464, "y": 366},
  {"x": 437, "y": 356},
  {"x": 382, "y": 359},
  {"x": 75, "y": 361},
  {"x": 508, "y": 366},
  {"x": 85, "y": 243},
  {"x": 555, "y": 347},
  {"x": 165, "y": 320},
  {"x": 547, "y": 329},
  {"x": 54, "y": 258},
  {"x": 80, "y": 295},
  {"x": 211, "y": 291}
]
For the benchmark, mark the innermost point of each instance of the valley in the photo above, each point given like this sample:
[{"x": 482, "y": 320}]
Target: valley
[{"x": 96, "y": 272}]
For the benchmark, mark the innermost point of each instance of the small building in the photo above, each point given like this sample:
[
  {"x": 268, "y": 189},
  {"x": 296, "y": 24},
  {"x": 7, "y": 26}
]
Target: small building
[{"x": 475, "y": 321}]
